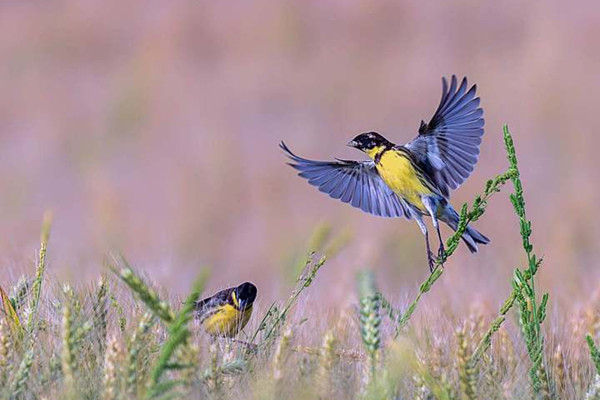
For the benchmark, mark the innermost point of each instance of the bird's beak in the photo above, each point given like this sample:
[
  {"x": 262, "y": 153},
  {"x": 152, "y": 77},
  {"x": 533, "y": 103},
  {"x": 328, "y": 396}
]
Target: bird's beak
[{"x": 352, "y": 143}]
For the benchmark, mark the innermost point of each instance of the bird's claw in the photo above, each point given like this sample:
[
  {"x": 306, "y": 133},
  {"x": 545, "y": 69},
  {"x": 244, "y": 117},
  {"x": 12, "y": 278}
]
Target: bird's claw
[
  {"x": 441, "y": 255},
  {"x": 431, "y": 261}
]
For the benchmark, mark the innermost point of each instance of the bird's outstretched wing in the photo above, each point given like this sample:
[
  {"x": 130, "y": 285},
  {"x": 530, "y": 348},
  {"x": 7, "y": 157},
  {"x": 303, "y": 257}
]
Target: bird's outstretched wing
[
  {"x": 448, "y": 146},
  {"x": 354, "y": 182}
]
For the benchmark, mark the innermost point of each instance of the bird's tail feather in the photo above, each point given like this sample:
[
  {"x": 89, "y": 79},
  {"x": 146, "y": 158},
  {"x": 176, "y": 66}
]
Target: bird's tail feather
[{"x": 471, "y": 237}]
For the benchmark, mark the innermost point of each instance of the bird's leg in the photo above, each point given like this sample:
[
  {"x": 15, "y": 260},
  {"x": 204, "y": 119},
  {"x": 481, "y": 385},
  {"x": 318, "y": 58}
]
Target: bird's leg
[
  {"x": 430, "y": 205},
  {"x": 441, "y": 249},
  {"x": 430, "y": 258}
]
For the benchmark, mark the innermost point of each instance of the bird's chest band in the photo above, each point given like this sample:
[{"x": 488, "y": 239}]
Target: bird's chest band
[{"x": 399, "y": 174}]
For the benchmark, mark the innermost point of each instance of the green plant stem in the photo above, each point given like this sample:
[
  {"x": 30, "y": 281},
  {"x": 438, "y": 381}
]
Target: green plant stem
[
  {"x": 523, "y": 285},
  {"x": 479, "y": 205},
  {"x": 306, "y": 282},
  {"x": 532, "y": 314},
  {"x": 486, "y": 341},
  {"x": 594, "y": 352}
]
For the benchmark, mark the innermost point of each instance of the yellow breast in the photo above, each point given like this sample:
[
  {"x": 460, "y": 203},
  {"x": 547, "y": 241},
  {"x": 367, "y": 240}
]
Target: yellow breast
[
  {"x": 227, "y": 321},
  {"x": 399, "y": 174}
]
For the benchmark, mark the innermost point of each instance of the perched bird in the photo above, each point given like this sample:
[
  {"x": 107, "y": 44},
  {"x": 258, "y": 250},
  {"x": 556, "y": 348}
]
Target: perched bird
[
  {"x": 228, "y": 311},
  {"x": 415, "y": 179}
]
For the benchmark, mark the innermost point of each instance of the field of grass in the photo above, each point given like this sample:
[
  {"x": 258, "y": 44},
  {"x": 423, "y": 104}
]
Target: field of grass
[{"x": 124, "y": 338}]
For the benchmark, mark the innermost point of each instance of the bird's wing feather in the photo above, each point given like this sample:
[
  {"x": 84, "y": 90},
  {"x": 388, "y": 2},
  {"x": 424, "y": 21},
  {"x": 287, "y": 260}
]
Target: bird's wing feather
[
  {"x": 354, "y": 182},
  {"x": 448, "y": 146},
  {"x": 207, "y": 305}
]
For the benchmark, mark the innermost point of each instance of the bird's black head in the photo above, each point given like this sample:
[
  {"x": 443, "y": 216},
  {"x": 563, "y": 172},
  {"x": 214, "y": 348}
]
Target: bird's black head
[
  {"x": 371, "y": 143},
  {"x": 244, "y": 295}
]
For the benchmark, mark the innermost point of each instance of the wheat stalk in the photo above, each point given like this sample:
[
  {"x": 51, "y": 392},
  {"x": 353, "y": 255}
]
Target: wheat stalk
[
  {"x": 544, "y": 383},
  {"x": 213, "y": 377},
  {"x": 281, "y": 354},
  {"x": 111, "y": 370},
  {"x": 68, "y": 343},
  {"x": 147, "y": 295},
  {"x": 327, "y": 361},
  {"x": 4, "y": 350},
  {"x": 22, "y": 376},
  {"x": 100, "y": 312},
  {"x": 370, "y": 318},
  {"x": 421, "y": 391},
  {"x": 467, "y": 371},
  {"x": 304, "y": 280},
  {"x": 36, "y": 288},
  {"x": 190, "y": 356},
  {"x": 136, "y": 343},
  {"x": 559, "y": 370}
]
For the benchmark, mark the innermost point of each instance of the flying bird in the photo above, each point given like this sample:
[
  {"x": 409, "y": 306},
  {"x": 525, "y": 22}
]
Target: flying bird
[
  {"x": 228, "y": 311},
  {"x": 415, "y": 179}
]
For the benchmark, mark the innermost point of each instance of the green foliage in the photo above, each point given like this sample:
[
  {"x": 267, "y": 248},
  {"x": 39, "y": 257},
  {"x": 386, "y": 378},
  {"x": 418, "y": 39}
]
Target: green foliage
[
  {"x": 467, "y": 216},
  {"x": 179, "y": 334},
  {"x": 532, "y": 313},
  {"x": 9, "y": 315},
  {"x": 20, "y": 293},
  {"x": 177, "y": 327},
  {"x": 594, "y": 352},
  {"x": 101, "y": 345}
]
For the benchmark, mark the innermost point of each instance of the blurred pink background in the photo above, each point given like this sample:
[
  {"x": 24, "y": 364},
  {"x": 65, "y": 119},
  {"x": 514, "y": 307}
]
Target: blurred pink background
[{"x": 152, "y": 128}]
